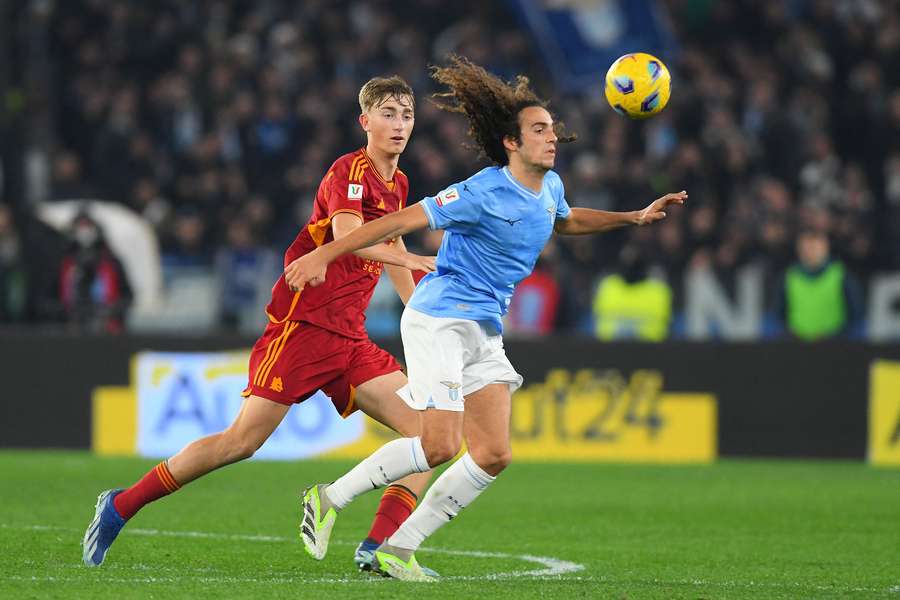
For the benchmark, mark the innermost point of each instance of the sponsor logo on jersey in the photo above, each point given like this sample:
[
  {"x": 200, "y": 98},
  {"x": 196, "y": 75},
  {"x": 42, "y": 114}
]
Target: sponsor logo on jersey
[
  {"x": 354, "y": 191},
  {"x": 447, "y": 196}
]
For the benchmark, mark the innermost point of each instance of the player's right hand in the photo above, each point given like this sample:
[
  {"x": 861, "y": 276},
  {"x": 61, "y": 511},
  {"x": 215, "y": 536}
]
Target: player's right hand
[
  {"x": 414, "y": 262},
  {"x": 308, "y": 269},
  {"x": 657, "y": 209}
]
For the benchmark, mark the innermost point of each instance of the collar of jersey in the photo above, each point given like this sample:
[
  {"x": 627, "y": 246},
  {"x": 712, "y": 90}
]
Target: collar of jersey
[
  {"x": 518, "y": 185},
  {"x": 374, "y": 170}
]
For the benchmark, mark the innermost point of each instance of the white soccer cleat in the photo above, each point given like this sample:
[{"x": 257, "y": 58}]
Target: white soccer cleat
[
  {"x": 319, "y": 516},
  {"x": 401, "y": 564}
]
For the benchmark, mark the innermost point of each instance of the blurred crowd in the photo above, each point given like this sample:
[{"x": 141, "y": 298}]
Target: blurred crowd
[{"x": 216, "y": 120}]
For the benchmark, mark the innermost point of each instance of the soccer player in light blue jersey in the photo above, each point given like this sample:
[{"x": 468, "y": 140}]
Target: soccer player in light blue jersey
[{"x": 496, "y": 225}]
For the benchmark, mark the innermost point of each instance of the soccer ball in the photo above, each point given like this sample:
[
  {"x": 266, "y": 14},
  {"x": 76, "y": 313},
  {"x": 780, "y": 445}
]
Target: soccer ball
[{"x": 638, "y": 85}]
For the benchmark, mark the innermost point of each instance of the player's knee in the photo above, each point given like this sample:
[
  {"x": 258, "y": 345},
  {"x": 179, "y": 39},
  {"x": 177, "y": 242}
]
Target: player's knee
[
  {"x": 235, "y": 448},
  {"x": 493, "y": 460},
  {"x": 502, "y": 460},
  {"x": 244, "y": 450},
  {"x": 440, "y": 450}
]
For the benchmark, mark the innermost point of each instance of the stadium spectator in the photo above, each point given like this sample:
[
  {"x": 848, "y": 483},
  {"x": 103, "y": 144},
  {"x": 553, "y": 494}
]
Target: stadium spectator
[
  {"x": 534, "y": 306},
  {"x": 13, "y": 271},
  {"x": 630, "y": 304},
  {"x": 93, "y": 288},
  {"x": 186, "y": 247},
  {"x": 792, "y": 116},
  {"x": 68, "y": 181},
  {"x": 245, "y": 271},
  {"x": 820, "y": 298}
]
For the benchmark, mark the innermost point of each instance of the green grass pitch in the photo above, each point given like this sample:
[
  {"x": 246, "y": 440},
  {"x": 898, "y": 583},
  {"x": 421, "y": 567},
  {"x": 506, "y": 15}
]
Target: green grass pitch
[{"x": 736, "y": 529}]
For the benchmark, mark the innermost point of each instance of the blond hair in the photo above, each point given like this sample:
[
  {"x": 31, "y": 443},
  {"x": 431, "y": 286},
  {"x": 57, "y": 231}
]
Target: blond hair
[{"x": 380, "y": 89}]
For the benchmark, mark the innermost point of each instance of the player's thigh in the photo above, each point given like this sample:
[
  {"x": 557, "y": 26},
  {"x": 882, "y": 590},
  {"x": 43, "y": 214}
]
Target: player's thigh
[
  {"x": 486, "y": 424},
  {"x": 435, "y": 350},
  {"x": 378, "y": 398},
  {"x": 257, "y": 420}
]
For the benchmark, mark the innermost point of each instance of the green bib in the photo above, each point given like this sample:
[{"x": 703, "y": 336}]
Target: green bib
[
  {"x": 815, "y": 304},
  {"x": 640, "y": 310}
]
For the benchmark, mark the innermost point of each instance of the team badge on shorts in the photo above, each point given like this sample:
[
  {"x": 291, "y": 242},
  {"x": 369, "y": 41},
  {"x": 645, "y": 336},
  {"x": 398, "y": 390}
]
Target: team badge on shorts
[{"x": 452, "y": 390}]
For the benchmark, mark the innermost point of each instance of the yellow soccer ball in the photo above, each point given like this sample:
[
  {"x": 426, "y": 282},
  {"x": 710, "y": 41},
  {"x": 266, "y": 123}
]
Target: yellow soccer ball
[{"x": 638, "y": 85}]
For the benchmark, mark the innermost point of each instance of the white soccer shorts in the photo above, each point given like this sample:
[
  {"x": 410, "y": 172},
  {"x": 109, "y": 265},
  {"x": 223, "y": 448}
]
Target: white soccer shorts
[{"x": 447, "y": 359}]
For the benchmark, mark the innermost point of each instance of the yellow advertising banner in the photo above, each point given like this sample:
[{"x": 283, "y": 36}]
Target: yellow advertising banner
[
  {"x": 114, "y": 421},
  {"x": 583, "y": 415},
  {"x": 884, "y": 414},
  {"x": 597, "y": 416}
]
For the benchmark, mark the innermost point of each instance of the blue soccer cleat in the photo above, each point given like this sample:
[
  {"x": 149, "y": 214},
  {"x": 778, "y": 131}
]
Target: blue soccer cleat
[
  {"x": 102, "y": 531},
  {"x": 364, "y": 557}
]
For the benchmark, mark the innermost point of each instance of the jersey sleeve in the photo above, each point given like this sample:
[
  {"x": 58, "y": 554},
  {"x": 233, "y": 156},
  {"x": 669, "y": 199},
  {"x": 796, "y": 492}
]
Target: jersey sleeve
[
  {"x": 457, "y": 207},
  {"x": 562, "y": 206},
  {"x": 342, "y": 194}
]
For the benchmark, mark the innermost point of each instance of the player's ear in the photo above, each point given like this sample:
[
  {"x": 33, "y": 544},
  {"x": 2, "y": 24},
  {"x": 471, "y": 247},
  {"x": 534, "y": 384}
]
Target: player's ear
[
  {"x": 364, "y": 121},
  {"x": 510, "y": 143}
]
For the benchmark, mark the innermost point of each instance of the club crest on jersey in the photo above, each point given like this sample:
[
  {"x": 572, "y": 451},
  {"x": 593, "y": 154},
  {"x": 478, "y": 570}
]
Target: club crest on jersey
[
  {"x": 447, "y": 196},
  {"x": 354, "y": 191}
]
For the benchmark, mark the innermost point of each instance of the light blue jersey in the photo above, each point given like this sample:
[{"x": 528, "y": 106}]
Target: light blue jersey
[{"x": 495, "y": 229}]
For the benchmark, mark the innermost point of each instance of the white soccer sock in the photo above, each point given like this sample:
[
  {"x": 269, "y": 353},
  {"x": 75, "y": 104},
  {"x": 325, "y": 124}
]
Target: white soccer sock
[
  {"x": 458, "y": 487},
  {"x": 391, "y": 462}
]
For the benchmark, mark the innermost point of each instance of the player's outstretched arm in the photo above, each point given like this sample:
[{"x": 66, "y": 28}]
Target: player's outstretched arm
[
  {"x": 310, "y": 268},
  {"x": 387, "y": 253},
  {"x": 582, "y": 221}
]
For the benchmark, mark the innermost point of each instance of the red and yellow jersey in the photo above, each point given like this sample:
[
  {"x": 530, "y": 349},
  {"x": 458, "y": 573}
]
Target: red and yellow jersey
[{"x": 352, "y": 185}]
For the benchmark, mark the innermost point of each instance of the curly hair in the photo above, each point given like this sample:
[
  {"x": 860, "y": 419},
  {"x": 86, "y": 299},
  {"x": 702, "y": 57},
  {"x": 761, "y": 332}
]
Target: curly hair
[{"x": 491, "y": 105}]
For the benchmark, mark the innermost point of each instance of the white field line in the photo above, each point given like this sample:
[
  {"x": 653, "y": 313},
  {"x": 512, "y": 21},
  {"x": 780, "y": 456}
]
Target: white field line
[
  {"x": 549, "y": 567},
  {"x": 553, "y": 568}
]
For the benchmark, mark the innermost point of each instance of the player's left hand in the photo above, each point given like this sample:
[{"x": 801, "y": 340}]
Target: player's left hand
[
  {"x": 657, "y": 209},
  {"x": 308, "y": 269}
]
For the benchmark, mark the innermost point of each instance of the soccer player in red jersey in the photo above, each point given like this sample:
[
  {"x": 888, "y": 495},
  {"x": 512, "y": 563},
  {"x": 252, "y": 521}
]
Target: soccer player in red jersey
[{"x": 316, "y": 339}]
